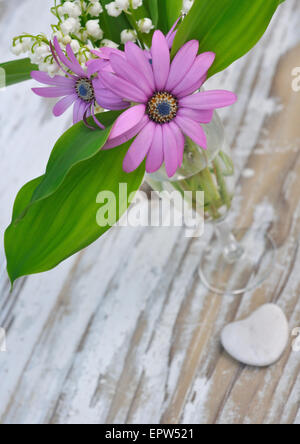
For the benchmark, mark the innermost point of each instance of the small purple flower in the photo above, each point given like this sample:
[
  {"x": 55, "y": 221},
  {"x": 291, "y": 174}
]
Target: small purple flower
[
  {"x": 77, "y": 87},
  {"x": 166, "y": 107}
]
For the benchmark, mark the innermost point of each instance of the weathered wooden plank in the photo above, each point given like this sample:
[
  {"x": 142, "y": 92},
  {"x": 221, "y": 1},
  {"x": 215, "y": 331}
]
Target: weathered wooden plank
[{"x": 125, "y": 332}]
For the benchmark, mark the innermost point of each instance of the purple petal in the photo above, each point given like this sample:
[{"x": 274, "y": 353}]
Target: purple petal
[
  {"x": 73, "y": 67},
  {"x": 195, "y": 75},
  {"x": 193, "y": 130},
  {"x": 127, "y": 72},
  {"x": 125, "y": 90},
  {"x": 155, "y": 156},
  {"x": 209, "y": 100},
  {"x": 172, "y": 33},
  {"x": 139, "y": 148},
  {"x": 179, "y": 140},
  {"x": 127, "y": 120},
  {"x": 108, "y": 100},
  {"x": 94, "y": 66},
  {"x": 91, "y": 110},
  {"x": 105, "y": 52},
  {"x": 43, "y": 77},
  {"x": 137, "y": 58},
  {"x": 130, "y": 134},
  {"x": 127, "y": 125},
  {"x": 170, "y": 39},
  {"x": 170, "y": 150},
  {"x": 58, "y": 62},
  {"x": 160, "y": 60},
  {"x": 149, "y": 58},
  {"x": 63, "y": 104},
  {"x": 194, "y": 87},
  {"x": 74, "y": 60},
  {"x": 201, "y": 116},
  {"x": 98, "y": 83},
  {"x": 79, "y": 110},
  {"x": 55, "y": 91},
  {"x": 182, "y": 63},
  {"x": 75, "y": 111}
]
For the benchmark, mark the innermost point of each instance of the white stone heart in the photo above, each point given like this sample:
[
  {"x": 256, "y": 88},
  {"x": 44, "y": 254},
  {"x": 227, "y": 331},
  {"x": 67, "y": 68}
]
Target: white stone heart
[{"x": 259, "y": 340}]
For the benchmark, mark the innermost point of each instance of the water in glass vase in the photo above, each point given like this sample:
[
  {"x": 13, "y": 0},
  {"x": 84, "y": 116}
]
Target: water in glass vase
[
  {"x": 235, "y": 261},
  {"x": 210, "y": 171}
]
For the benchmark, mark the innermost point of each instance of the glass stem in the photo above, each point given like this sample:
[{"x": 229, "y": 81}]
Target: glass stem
[{"x": 232, "y": 250}]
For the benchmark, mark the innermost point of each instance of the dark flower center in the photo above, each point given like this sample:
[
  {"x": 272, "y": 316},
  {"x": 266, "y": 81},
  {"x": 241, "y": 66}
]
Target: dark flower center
[
  {"x": 162, "y": 107},
  {"x": 85, "y": 90}
]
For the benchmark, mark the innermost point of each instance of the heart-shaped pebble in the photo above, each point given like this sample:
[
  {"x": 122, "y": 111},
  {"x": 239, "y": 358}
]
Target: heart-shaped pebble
[{"x": 259, "y": 340}]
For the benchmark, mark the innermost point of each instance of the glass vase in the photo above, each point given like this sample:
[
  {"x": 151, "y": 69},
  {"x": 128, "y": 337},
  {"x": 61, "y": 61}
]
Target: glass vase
[{"x": 235, "y": 260}]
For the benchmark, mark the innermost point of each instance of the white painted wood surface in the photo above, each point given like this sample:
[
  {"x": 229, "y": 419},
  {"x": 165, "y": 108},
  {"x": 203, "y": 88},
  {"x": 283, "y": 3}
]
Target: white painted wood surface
[{"x": 124, "y": 332}]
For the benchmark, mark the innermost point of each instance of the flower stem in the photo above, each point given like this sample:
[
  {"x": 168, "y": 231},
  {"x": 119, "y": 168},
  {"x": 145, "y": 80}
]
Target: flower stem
[{"x": 212, "y": 181}]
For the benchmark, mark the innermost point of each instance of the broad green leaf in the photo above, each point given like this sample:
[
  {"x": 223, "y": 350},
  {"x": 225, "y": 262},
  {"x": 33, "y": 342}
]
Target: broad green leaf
[
  {"x": 152, "y": 6},
  {"x": 16, "y": 71},
  {"x": 24, "y": 196},
  {"x": 54, "y": 228},
  {"x": 75, "y": 145},
  {"x": 229, "y": 28},
  {"x": 112, "y": 26},
  {"x": 168, "y": 12}
]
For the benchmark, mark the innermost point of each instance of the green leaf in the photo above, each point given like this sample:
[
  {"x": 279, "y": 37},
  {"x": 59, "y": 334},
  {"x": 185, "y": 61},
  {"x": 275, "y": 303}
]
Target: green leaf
[
  {"x": 112, "y": 26},
  {"x": 17, "y": 71},
  {"x": 152, "y": 6},
  {"x": 45, "y": 232},
  {"x": 24, "y": 197},
  {"x": 168, "y": 11},
  {"x": 229, "y": 28},
  {"x": 77, "y": 144}
]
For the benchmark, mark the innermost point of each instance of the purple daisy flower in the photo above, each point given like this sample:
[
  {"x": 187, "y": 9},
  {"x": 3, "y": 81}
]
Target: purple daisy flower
[
  {"x": 166, "y": 107},
  {"x": 79, "y": 88},
  {"x": 102, "y": 60}
]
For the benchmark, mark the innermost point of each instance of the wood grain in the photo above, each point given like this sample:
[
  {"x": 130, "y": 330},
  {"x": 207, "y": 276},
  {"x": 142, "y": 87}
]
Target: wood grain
[{"x": 125, "y": 332}]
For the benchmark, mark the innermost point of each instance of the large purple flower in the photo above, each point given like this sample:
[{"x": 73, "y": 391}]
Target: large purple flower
[
  {"x": 76, "y": 87},
  {"x": 165, "y": 106}
]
